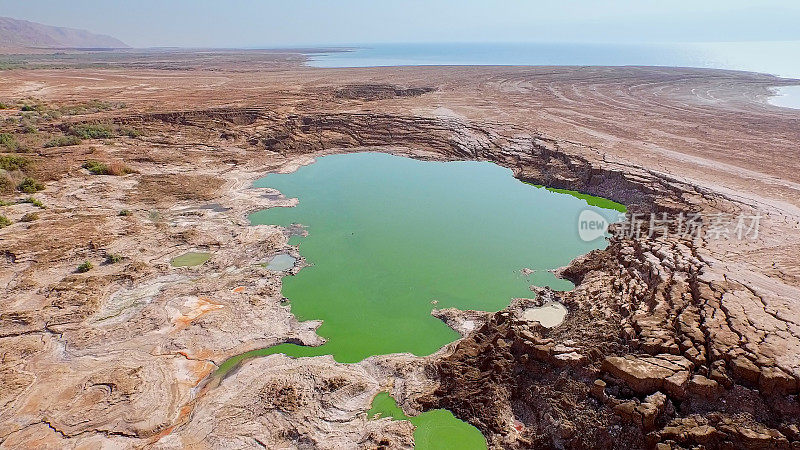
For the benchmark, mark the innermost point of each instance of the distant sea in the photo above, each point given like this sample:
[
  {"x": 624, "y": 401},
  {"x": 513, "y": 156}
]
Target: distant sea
[{"x": 780, "y": 58}]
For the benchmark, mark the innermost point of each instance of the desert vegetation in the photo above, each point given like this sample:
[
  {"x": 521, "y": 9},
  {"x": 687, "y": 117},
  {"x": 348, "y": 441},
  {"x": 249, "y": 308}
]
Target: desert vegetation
[
  {"x": 8, "y": 142},
  {"x": 91, "y": 131},
  {"x": 130, "y": 132},
  {"x": 29, "y": 185},
  {"x": 13, "y": 175},
  {"x": 85, "y": 267},
  {"x": 101, "y": 168},
  {"x": 13, "y": 162},
  {"x": 113, "y": 258},
  {"x": 35, "y": 202},
  {"x": 62, "y": 141},
  {"x": 89, "y": 107}
]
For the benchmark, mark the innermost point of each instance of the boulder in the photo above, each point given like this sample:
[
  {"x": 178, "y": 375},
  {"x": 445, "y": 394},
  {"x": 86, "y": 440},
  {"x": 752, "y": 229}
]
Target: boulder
[
  {"x": 720, "y": 375},
  {"x": 648, "y": 374},
  {"x": 628, "y": 411},
  {"x": 703, "y": 387},
  {"x": 650, "y": 409},
  {"x": 676, "y": 384},
  {"x": 776, "y": 381},
  {"x": 598, "y": 389},
  {"x": 745, "y": 370},
  {"x": 643, "y": 414}
]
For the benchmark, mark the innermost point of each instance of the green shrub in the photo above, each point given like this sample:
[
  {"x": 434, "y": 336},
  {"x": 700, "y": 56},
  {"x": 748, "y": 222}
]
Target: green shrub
[
  {"x": 8, "y": 141},
  {"x": 112, "y": 258},
  {"x": 91, "y": 131},
  {"x": 5, "y": 183},
  {"x": 33, "y": 108},
  {"x": 125, "y": 213},
  {"x": 4, "y": 105},
  {"x": 100, "y": 168},
  {"x": 30, "y": 217},
  {"x": 63, "y": 141},
  {"x": 5, "y": 203},
  {"x": 130, "y": 132},
  {"x": 85, "y": 267},
  {"x": 29, "y": 186},
  {"x": 4, "y": 222},
  {"x": 29, "y": 128},
  {"x": 34, "y": 202},
  {"x": 13, "y": 162},
  {"x": 96, "y": 167}
]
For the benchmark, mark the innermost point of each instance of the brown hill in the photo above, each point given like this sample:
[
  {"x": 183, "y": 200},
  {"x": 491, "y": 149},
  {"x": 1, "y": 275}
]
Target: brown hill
[{"x": 22, "y": 33}]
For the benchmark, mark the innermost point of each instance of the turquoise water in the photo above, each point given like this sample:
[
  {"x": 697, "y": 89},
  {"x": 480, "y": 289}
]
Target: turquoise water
[
  {"x": 391, "y": 238},
  {"x": 775, "y": 57},
  {"x": 190, "y": 259},
  {"x": 788, "y": 97}
]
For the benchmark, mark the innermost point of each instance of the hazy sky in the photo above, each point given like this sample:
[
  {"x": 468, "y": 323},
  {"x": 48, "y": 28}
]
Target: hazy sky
[{"x": 266, "y": 23}]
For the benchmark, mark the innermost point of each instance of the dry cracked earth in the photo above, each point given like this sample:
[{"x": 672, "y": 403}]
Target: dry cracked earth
[{"x": 671, "y": 341}]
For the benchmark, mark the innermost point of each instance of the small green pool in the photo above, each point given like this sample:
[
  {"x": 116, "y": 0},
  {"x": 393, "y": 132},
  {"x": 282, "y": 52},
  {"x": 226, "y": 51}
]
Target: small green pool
[
  {"x": 190, "y": 259},
  {"x": 438, "y": 429}
]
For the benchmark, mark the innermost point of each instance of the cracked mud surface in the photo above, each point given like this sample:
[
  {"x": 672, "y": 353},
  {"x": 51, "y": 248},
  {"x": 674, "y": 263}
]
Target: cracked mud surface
[{"x": 668, "y": 341}]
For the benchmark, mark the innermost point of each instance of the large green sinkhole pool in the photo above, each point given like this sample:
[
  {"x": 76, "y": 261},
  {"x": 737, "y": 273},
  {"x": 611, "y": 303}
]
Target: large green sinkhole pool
[{"x": 391, "y": 238}]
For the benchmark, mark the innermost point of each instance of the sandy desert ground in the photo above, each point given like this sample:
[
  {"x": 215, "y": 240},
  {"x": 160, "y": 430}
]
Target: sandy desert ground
[{"x": 669, "y": 342}]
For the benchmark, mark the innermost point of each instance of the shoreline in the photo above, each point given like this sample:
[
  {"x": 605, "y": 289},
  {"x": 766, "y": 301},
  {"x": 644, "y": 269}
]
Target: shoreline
[{"x": 786, "y": 97}]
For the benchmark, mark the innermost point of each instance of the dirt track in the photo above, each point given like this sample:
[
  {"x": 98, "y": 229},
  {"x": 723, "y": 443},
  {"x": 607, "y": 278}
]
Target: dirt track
[{"x": 114, "y": 354}]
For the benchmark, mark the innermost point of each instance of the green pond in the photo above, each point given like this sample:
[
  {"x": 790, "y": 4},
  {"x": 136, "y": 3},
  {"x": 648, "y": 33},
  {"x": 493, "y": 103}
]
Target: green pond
[
  {"x": 391, "y": 238},
  {"x": 190, "y": 259},
  {"x": 437, "y": 429}
]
